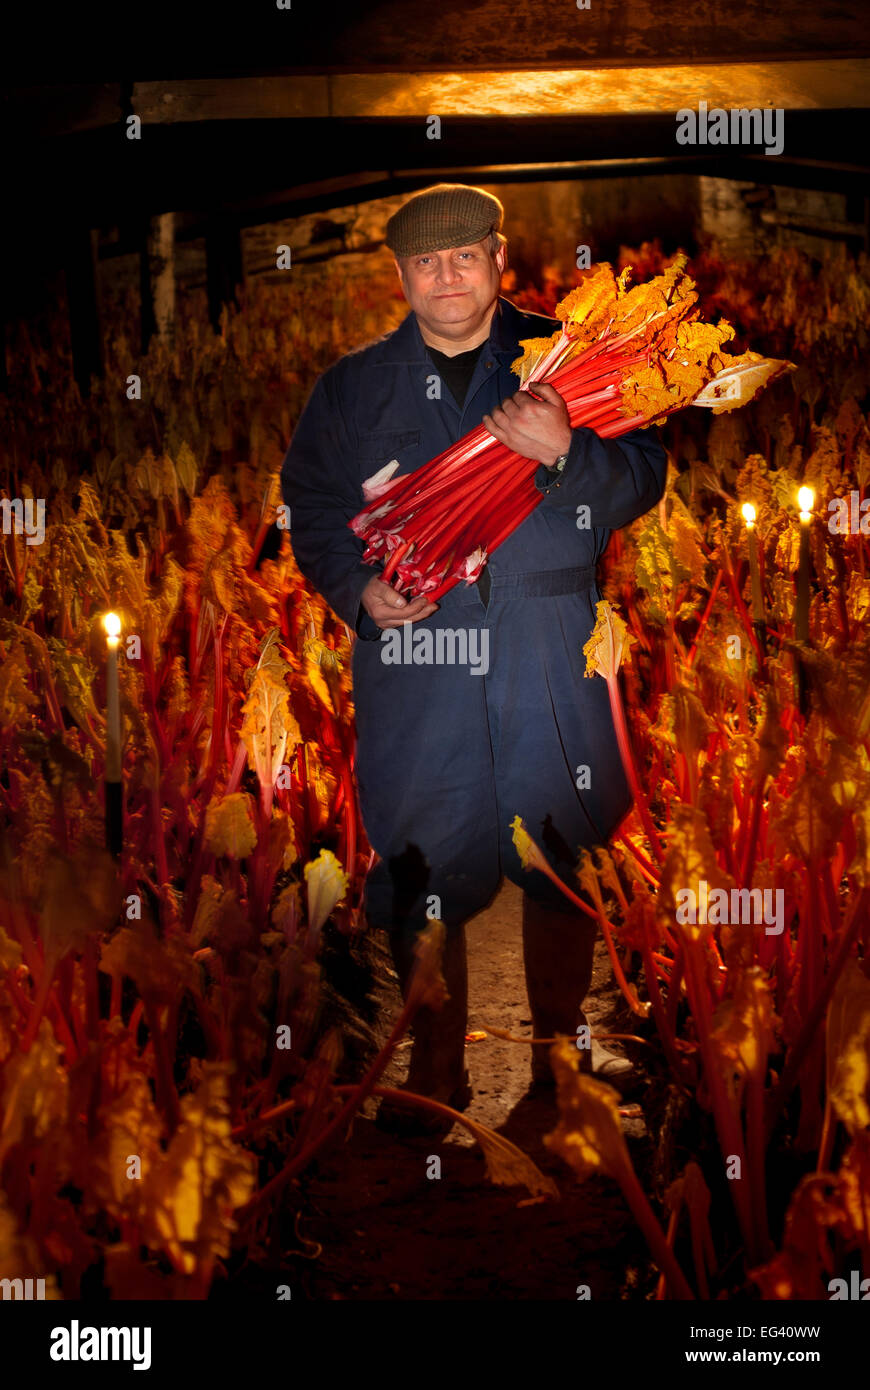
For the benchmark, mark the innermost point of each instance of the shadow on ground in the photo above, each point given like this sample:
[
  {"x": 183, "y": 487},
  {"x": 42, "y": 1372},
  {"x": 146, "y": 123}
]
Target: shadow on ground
[{"x": 387, "y": 1229}]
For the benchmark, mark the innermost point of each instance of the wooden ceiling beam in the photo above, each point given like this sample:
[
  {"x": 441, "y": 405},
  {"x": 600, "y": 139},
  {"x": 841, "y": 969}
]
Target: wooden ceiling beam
[{"x": 821, "y": 83}]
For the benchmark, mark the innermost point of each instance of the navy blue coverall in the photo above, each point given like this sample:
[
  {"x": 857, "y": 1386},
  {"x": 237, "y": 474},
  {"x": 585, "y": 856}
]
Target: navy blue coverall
[{"x": 446, "y": 757}]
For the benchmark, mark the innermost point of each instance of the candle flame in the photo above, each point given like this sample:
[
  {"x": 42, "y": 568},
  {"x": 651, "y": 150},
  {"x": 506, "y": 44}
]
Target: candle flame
[
  {"x": 748, "y": 512},
  {"x": 112, "y": 624},
  {"x": 806, "y": 498}
]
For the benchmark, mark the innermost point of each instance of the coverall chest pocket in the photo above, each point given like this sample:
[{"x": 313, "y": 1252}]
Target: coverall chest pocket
[{"x": 377, "y": 447}]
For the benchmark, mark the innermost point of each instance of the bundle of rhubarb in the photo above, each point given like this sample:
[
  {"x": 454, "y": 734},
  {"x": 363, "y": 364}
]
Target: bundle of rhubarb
[{"x": 623, "y": 359}]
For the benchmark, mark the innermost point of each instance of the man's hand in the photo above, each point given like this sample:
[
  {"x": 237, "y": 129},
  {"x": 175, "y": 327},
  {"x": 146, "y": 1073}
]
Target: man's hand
[
  {"x": 386, "y": 606},
  {"x": 534, "y": 429}
]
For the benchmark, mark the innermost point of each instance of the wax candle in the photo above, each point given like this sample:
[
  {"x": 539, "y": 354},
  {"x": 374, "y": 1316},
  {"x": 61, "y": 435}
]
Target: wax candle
[
  {"x": 749, "y": 515},
  {"x": 113, "y": 787},
  {"x": 112, "y": 624},
  {"x": 806, "y": 498}
]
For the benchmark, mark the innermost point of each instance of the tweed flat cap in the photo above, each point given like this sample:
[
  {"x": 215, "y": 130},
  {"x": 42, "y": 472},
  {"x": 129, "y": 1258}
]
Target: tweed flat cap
[{"x": 447, "y": 214}]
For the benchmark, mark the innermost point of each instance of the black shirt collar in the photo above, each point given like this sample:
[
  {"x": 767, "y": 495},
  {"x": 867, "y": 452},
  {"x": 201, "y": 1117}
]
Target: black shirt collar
[{"x": 508, "y": 324}]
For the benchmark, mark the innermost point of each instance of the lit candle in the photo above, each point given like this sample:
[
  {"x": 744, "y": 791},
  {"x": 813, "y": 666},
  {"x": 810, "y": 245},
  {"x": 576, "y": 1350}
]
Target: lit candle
[
  {"x": 749, "y": 515},
  {"x": 112, "y": 624},
  {"x": 806, "y": 498}
]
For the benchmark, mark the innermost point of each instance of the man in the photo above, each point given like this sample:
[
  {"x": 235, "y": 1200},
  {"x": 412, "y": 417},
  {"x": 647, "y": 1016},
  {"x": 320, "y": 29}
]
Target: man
[{"x": 450, "y": 752}]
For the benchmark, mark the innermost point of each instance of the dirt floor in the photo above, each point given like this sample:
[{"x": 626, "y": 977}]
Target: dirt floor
[{"x": 387, "y": 1231}]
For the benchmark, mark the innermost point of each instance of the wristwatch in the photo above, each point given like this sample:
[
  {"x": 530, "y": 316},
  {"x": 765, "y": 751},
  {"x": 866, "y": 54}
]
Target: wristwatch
[{"x": 559, "y": 464}]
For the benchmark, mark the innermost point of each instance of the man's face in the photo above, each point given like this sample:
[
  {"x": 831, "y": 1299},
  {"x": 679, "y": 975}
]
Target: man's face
[{"x": 452, "y": 291}]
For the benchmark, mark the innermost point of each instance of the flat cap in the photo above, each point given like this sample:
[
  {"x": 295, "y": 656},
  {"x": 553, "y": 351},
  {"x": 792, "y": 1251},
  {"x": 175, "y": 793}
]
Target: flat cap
[{"x": 447, "y": 214}]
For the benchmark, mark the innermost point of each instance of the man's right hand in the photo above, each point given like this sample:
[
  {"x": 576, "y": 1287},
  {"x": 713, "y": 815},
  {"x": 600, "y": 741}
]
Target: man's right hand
[{"x": 386, "y": 606}]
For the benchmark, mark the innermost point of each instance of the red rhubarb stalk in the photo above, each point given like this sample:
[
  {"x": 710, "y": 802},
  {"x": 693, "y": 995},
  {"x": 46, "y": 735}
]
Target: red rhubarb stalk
[{"x": 627, "y": 755}]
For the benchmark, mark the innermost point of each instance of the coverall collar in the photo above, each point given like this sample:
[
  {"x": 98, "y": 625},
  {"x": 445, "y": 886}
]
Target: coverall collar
[{"x": 406, "y": 345}]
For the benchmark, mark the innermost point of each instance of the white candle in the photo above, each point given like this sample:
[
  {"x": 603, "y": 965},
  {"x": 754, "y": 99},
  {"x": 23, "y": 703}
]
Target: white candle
[
  {"x": 112, "y": 624},
  {"x": 806, "y": 498},
  {"x": 755, "y": 577}
]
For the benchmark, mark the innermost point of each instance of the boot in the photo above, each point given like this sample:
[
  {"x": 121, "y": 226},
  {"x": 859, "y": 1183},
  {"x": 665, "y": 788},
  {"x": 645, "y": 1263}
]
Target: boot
[
  {"x": 558, "y": 952},
  {"x": 437, "y": 1065}
]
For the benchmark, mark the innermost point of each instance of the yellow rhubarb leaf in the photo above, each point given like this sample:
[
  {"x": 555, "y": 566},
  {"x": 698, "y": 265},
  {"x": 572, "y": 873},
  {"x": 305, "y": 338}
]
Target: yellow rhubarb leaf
[
  {"x": 591, "y": 305},
  {"x": 268, "y": 727},
  {"x": 81, "y": 901},
  {"x": 743, "y": 1025},
  {"x": 286, "y": 910},
  {"x": 689, "y": 862},
  {"x": 187, "y": 468},
  {"x": 589, "y": 1133},
  {"x": 33, "y": 1099},
  {"x": 427, "y": 988},
  {"x": 507, "y": 1165},
  {"x": 20, "y": 1254},
  {"x": 799, "y": 1268},
  {"x": 219, "y": 583},
  {"x": 854, "y": 1183},
  {"x": 75, "y": 677},
  {"x": 686, "y": 536},
  {"x": 534, "y": 351},
  {"x": 283, "y": 848},
  {"x": 176, "y": 689},
  {"x": 655, "y": 569},
  {"x": 219, "y": 919},
  {"x": 530, "y": 855},
  {"x": 807, "y": 821},
  {"x": 609, "y": 643},
  {"x": 15, "y": 695},
  {"x": 691, "y": 726},
  {"x": 130, "y": 1127},
  {"x": 190, "y": 1196},
  {"x": 10, "y": 951},
  {"x": 229, "y": 825},
  {"x": 211, "y": 515},
  {"x": 160, "y": 970},
  {"x": 848, "y": 1048},
  {"x": 327, "y": 885},
  {"x": 323, "y": 671},
  {"x": 740, "y": 381}
]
